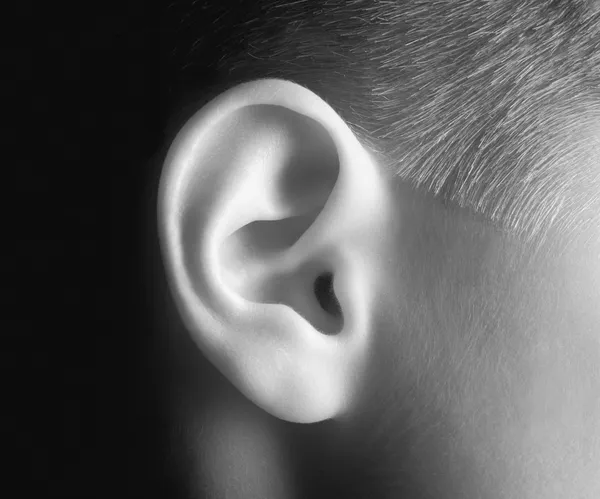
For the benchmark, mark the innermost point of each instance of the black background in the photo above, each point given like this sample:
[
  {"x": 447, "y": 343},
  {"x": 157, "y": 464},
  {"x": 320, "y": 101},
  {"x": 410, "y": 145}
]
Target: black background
[{"x": 84, "y": 113}]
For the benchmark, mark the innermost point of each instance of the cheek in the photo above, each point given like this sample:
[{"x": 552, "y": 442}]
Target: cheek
[{"x": 528, "y": 400}]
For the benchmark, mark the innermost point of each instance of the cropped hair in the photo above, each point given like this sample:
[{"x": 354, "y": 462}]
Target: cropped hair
[{"x": 493, "y": 105}]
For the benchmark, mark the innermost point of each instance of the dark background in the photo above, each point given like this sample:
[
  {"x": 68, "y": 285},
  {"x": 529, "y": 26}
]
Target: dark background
[{"x": 84, "y": 113}]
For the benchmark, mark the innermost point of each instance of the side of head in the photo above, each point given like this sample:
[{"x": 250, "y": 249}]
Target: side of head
[{"x": 388, "y": 215}]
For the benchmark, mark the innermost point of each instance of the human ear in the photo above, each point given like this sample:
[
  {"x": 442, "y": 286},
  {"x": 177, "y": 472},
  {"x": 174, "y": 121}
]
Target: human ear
[{"x": 267, "y": 207}]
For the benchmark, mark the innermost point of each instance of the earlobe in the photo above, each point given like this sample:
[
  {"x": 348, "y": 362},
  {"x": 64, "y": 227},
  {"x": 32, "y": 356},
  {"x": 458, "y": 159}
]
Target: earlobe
[{"x": 268, "y": 205}]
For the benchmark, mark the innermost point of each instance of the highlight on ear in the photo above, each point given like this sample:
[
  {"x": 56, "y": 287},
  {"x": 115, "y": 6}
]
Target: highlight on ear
[{"x": 270, "y": 211}]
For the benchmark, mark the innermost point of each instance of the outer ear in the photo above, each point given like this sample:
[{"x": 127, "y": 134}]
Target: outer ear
[{"x": 268, "y": 207}]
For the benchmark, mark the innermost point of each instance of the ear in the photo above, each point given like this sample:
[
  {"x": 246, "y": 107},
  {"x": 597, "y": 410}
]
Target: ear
[{"x": 268, "y": 205}]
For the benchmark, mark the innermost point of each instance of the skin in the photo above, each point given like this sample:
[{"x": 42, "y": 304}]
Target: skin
[{"x": 481, "y": 379}]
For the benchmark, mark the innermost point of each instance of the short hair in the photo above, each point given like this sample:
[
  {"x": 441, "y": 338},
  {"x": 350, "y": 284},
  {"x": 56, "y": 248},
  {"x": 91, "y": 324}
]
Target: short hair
[{"x": 490, "y": 104}]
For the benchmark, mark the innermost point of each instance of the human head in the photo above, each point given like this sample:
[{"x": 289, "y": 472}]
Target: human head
[{"x": 435, "y": 164}]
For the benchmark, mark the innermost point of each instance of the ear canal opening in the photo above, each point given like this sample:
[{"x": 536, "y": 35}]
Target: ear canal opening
[{"x": 325, "y": 294}]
